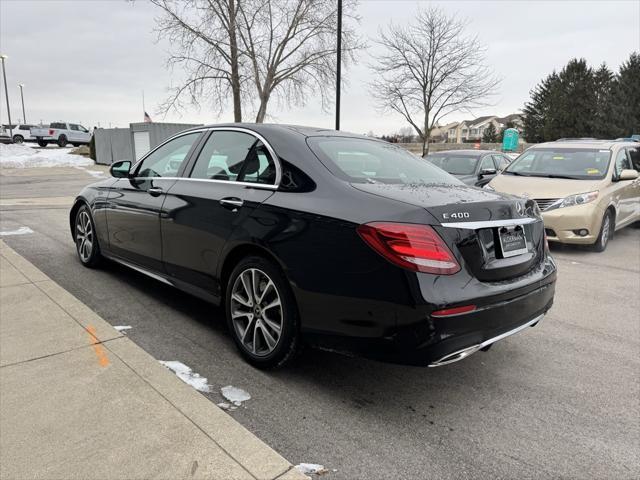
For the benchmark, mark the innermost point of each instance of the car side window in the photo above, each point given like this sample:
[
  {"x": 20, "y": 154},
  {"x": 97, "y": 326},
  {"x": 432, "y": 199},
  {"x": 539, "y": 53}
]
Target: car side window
[
  {"x": 82, "y": 129},
  {"x": 234, "y": 156},
  {"x": 487, "y": 163},
  {"x": 622, "y": 162},
  {"x": 634, "y": 155},
  {"x": 74, "y": 127},
  {"x": 62, "y": 126},
  {"x": 166, "y": 160},
  {"x": 500, "y": 162}
]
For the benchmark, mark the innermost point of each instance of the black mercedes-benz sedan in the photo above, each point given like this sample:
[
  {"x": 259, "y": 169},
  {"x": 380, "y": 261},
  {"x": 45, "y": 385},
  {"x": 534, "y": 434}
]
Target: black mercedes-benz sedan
[
  {"x": 314, "y": 236},
  {"x": 472, "y": 167}
]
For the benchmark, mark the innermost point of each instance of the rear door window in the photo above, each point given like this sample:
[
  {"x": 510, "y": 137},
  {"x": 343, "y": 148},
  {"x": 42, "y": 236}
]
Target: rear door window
[
  {"x": 235, "y": 157},
  {"x": 62, "y": 126}
]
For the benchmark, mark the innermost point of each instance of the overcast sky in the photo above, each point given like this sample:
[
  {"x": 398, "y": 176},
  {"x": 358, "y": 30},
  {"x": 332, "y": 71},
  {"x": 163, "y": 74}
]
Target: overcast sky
[{"x": 88, "y": 61}]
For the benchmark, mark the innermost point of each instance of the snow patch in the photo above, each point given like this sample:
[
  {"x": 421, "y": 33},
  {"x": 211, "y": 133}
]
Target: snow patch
[
  {"x": 235, "y": 395},
  {"x": 122, "y": 328},
  {"x": 19, "y": 231},
  {"x": 21, "y": 156},
  {"x": 187, "y": 375},
  {"x": 311, "y": 469},
  {"x": 227, "y": 406}
]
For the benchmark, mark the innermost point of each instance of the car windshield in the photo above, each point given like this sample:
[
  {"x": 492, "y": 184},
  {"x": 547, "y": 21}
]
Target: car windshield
[
  {"x": 360, "y": 160},
  {"x": 455, "y": 163},
  {"x": 574, "y": 163}
]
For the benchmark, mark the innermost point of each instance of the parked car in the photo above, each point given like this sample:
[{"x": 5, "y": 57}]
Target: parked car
[
  {"x": 473, "y": 167},
  {"x": 586, "y": 189},
  {"x": 327, "y": 237},
  {"x": 62, "y": 133},
  {"x": 4, "y": 135},
  {"x": 22, "y": 133}
]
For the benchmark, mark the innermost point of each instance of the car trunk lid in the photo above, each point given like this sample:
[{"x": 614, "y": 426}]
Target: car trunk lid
[{"x": 497, "y": 236}]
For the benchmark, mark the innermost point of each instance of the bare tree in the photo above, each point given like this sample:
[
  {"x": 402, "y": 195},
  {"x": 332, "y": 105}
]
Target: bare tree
[
  {"x": 429, "y": 69},
  {"x": 291, "y": 48},
  {"x": 256, "y": 50},
  {"x": 203, "y": 37}
]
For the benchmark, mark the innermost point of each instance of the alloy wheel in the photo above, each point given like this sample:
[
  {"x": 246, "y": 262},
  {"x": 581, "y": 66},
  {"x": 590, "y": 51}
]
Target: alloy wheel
[
  {"x": 84, "y": 236},
  {"x": 256, "y": 312}
]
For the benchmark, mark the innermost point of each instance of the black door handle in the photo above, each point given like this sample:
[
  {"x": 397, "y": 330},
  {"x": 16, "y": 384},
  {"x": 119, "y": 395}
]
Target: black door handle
[{"x": 155, "y": 191}]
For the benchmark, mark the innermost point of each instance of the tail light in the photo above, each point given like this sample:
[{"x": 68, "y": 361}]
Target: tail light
[
  {"x": 411, "y": 246},
  {"x": 51, "y": 132}
]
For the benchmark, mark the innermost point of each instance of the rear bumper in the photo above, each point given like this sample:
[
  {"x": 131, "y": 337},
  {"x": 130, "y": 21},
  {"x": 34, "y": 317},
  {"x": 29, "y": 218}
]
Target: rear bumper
[{"x": 439, "y": 341}]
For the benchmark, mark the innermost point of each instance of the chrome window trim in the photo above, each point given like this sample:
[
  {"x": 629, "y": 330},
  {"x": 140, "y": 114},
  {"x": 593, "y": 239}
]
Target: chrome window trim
[
  {"x": 266, "y": 186},
  {"x": 274, "y": 156},
  {"x": 491, "y": 223}
]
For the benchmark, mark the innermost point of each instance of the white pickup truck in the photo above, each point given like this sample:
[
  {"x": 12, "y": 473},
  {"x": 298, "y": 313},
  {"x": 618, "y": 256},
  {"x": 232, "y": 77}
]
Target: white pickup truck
[{"x": 61, "y": 133}]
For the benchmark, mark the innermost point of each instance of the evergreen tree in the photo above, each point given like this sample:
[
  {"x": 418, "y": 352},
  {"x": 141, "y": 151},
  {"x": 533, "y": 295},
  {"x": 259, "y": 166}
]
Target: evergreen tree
[
  {"x": 627, "y": 97},
  {"x": 490, "y": 134},
  {"x": 538, "y": 110},
  {"x": 604, "y": 124}
]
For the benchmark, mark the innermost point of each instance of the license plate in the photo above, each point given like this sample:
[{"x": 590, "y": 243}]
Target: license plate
[{"x": 513, "y": 241}]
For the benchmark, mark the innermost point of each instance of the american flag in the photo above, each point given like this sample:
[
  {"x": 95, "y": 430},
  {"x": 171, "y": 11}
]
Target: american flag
[{"x": 147, "y": 118}]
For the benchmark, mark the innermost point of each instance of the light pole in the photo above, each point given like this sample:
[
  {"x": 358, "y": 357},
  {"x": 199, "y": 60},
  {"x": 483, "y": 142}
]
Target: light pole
[
  {"x": 339, "y": 64},
  {"x": 24, "y": 115},
  {"x": 6, "y": 93}
]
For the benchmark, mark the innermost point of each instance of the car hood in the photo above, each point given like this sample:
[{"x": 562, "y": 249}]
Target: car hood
[
  {"x": 542, "y": 187},
  {"x": 441, "y": 200}
]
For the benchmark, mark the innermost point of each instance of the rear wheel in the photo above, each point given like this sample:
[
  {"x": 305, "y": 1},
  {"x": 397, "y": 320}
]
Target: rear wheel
[
  {"x": 42, "y": 143},
  {"x": 75, "y": 145},
  {"x": 261, "y": 313},
  {"x": 606, "y": 232},
  {"x": 18, "y": 139},
  {"x": 62, "y": 141},
  {"x": 86, "y": 240}
]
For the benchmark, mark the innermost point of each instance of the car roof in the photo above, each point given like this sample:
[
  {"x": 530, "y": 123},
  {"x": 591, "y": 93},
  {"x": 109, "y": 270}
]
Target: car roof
[
  {"x": 466, "y": 152},
  {"x": 306, "y": 131},
  {"x": 586, "y": 143}
]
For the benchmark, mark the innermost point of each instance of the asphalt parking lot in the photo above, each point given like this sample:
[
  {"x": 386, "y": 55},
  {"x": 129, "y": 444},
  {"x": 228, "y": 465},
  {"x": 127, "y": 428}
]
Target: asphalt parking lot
[{"x": 557, "y": 400}]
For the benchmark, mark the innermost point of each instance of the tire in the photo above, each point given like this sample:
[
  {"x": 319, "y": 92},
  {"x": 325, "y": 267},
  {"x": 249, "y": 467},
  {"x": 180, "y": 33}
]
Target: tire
[
  {"x": 42, "y": 143},
  {"x": 254, "y": 333},
  {"x": 84, "y": 234},
  {"x": 62, "y": 141},
  {"x": 75, "y": 145},
  {"x": 18, "y": 139},
  {"x": 606, "y": 232}
]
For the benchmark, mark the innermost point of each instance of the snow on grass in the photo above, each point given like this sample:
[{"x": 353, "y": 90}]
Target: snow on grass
[
  {"x": 187, "y": 375},
  {"x": 235, "y": 395},
  {"x": 19, "y": 231},
  {"x": 22, "y": 156}
]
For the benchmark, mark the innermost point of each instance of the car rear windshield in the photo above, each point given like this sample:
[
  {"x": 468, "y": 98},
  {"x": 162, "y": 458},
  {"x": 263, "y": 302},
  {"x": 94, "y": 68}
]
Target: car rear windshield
[
  {"x": 360, "y": 160},
  {"x": 574, "y": 163},
  {"x": 455, "y": 164}
]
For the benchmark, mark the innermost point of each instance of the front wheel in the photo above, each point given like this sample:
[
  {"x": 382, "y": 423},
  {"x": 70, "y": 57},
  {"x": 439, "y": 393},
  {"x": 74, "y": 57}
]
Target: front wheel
[
  {"x": 86, "y": 239},
  {"x": 18, "y": 139},
  {"x": 606, "y": 232},
  {"x": 261, "y": 313}
]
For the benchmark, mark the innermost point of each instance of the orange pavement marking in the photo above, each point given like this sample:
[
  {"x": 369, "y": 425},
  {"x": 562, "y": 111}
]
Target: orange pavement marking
[{"x": 103, "y": 360}]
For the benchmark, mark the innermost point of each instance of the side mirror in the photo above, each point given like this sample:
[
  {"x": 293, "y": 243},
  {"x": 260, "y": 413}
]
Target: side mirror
[
  {"x": 488, "y": 171},
  {"x": 120, "y": 169},
  {"x": 628, "y": 174}
]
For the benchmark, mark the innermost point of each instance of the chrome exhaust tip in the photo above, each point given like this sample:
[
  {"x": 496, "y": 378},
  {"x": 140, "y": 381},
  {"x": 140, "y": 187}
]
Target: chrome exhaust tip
[
  {"x": 456, "y": 356},
  {"x": 465, "y": 352}
]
